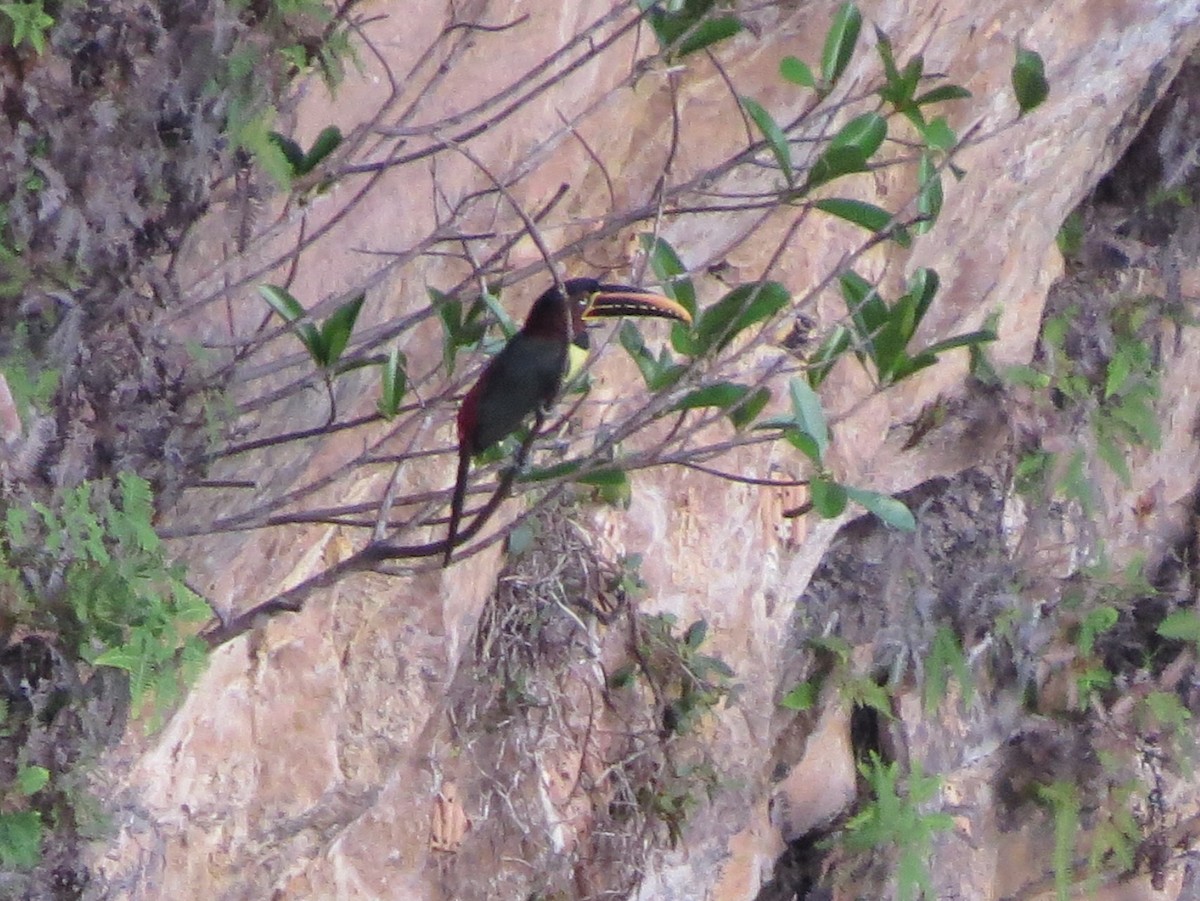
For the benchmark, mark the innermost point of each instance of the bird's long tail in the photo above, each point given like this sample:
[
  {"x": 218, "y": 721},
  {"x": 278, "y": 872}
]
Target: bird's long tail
[{"x": 456, "y": 503}]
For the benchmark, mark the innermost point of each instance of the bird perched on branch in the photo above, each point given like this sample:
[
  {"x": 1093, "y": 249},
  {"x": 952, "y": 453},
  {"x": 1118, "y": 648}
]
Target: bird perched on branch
[{"x": 532, "y": 367}]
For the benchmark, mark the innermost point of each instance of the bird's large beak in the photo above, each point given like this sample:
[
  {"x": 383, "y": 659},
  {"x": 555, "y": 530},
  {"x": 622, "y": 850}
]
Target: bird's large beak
[{"x": 610, "y": 301}]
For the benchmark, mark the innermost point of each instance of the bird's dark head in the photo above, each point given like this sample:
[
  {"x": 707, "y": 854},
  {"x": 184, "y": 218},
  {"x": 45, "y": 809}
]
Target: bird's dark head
[{"x": 588, "y": 299}]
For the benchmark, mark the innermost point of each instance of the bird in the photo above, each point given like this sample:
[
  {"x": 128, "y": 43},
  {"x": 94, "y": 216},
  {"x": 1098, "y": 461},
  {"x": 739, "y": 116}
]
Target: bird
[{"x": 526, "y": 375}]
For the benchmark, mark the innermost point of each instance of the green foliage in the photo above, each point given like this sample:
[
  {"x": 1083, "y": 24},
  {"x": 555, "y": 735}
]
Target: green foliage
[
  {"x": 325, "y": 344},
  {"x": 32, "y": 779},
  {"x": 28, "y": 23},
  {"x": 1181, "y": 625},
  {"x": 671, "y": 798},
  {"x": 1115, "y": 839},
  {"x": 20, "y": 840},
  {"x": 301, "y": 163},
  {"x": 803, "y": 696},
  {"x": 1063, "y": 800},
  {"x": 1119, "y": 401},
  {"x": 840, "y": 41},
  {"x": 1096, "y": 622},
  {"x": 797, "y": 72},
  {"x": 852, "y": 688},
  {"x": 882, "y": 332},
  {"x": 866, "y": 215},
  {"x": 1029, "y": 80},
  {"x": 774, "y": 136},
  {"x": 31, "y": 388},
  {"x": 463, "y": 325},
  {"x": 1070, "y": 235},
  {"x": 393, "y": 383},
  {"x": 688, "y": 683},
  {"x": 743, "y": 307},
  {"x": 683, "y": 27},
  {"x": 806, "y": 429},
  {"x": 894, "y": 819},
  {"x": 740, "y": 402},
  {"x": 946, "y": 659},
  {"x": 125, "y": 606}
]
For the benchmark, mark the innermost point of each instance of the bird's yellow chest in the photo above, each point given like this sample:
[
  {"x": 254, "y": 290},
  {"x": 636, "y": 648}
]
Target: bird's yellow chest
[{"x": 576, "y": 357}]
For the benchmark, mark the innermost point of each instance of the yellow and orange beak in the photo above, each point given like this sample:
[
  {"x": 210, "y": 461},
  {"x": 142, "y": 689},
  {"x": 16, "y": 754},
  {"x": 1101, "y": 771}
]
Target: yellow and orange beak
[{"x": 611, "y": 301}]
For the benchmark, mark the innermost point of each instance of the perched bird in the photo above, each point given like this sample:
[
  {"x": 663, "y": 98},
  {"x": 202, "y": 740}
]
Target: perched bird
[{"x": 545, "y": 354}]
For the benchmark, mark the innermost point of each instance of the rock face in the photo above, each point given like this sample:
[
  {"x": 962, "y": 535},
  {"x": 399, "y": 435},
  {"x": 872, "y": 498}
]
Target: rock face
[{"x": 440, "y": 734}]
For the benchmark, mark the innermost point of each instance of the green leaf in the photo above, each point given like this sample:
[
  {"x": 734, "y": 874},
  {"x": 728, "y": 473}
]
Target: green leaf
[
  {"x": 943, "y": 93},
  {"x": 720, "y": 394},
  {"x": 622, "y": 676},
  {"x": 635, "y": 345},
  {"x": 601, "y": 477},
  {"x": 930, "y": 196},
  {"x": 124, "y": 657},
  {"x": 867, "y": 309},
  {"x": 1095, "y": 623},
  {"x": 774, "y": 135},
  {"x": 1029, "y": 80},
  {"x": 889, "y": 510},
  {"x": 866, "y": 215},
  {"x": 327, "y": 141},
  {"x": 668, "y": 268},
  {"x": 282, "y": 302},
  {"x": 883, "y": 46},
  {"x": 1167, "y": 708},
  {"x": 290, "y": 149},
  {"x": 707, "y": 33},
  {"x": 20, "y": 840},
  {"x": 335, "y": 333},
  {"x": 683, "y": 28},
  {"x": 945, "y": 659},
  {"x": 828, "y": 497},
  {"x": 1180, "y": 625},
  {"x": 834, "y": 162},
  {"x": 546, "y": 473},
  {"x": 30, "y": 22},
  {"x": 809, "y": 417},
  {"x": 745, "y": 412},
  {"x": 939, "y": 135},
  {"x": 507, "y": 324},
  {"x": 802, "y": 697},
  {"x": 461, "y": 326},
  {"x": 866, "y": 133},
  {"x": 1120, "y": 367},
  {"x": 292, "y": 312},
  {"x": 804, "y": 443},
  {"x": 696, "y": 633},
  {"x": 741, "y": 308},
  {"x": 393, "y": 383},
  {"x": 967, "y": 339},
  {"x": 909, "y": 79},
  {"x": 797, "y": 72},
  {"x": 839, "y": 43},
  {"x": 830, "y": 351},
  {"x": 32, "y": 779},
  {"x": 612, "y": 486}
]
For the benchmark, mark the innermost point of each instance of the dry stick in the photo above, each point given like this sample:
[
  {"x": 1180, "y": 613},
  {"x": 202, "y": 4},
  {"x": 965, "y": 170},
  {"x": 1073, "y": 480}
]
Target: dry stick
[
  {"x": 530, "y": 226},
  {"x": 374, "y": 553},
  {"x": 392, "y": 98},
  {"x": 529, "y": 76},
  {"x": 595, "y": 158},
  {"x": 257, "y": 519},
  {"x": 635, "y": 216},
  {"x": 369, "y": 339},
  {"x": 428, "y": 550},
  {"x": 247, "y": 520}
]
